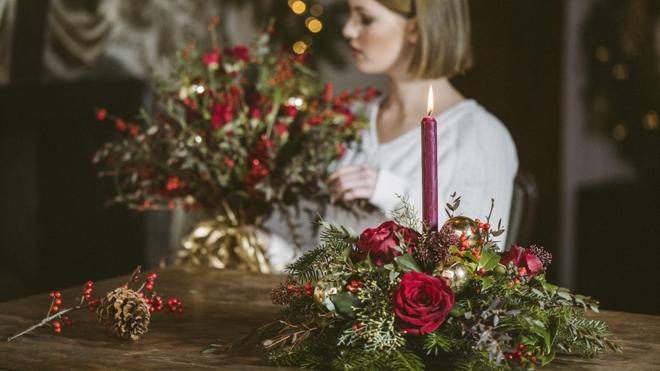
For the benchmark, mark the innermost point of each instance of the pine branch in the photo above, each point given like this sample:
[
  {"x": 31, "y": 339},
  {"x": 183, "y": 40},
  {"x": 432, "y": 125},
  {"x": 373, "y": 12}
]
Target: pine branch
[
  {"x": 337, "y": 235},
  {"x": 585, "y": 337},
  {"x": 477, "y": 362},
  {"x": 313, "y": 264},
  {"x": 437, "y": 342},
  {"x": 406, "y": 360}
]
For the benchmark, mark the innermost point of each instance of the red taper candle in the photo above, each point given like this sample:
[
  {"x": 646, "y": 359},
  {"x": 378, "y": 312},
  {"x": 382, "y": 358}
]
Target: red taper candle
[{"x": 430, "y": 166}]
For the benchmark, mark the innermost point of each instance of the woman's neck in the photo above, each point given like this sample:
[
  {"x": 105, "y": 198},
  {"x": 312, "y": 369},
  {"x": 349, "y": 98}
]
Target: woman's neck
[
  {"x": 405, "y": 105},
  {"x": 408, "y": 97}
]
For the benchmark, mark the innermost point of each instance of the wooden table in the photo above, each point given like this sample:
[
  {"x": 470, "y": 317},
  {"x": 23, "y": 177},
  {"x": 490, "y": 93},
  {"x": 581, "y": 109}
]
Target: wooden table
[{"x": 225, "y": 305}]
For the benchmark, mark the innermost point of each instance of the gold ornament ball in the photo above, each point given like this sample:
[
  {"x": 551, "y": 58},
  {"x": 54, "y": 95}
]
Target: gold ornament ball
[
  {"x": 458, "y": 276},
  {"x": 461, "y": 224},
  {"x": 324, "y": 290}
]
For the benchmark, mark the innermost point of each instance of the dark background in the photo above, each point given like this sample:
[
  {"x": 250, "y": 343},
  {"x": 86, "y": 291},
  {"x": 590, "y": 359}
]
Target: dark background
[{"x": 56, "y": 230}]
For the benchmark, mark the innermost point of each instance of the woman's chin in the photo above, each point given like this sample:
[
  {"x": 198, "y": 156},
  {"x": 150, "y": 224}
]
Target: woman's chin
[{"x": 367, "y": 69}]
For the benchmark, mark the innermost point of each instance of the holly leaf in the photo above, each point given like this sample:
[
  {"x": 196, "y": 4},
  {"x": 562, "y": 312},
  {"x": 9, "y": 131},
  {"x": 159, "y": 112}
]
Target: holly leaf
[
  {"x": 406, "y": 263},
  {"x": 489, "y": 259}
]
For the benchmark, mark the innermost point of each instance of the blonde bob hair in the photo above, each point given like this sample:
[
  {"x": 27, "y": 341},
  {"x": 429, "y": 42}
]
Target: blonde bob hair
[{"x": 444, "y": 46}]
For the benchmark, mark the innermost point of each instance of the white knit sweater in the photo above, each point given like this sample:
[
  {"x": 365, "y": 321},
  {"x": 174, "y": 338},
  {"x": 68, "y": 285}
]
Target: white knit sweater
[{"x": 476, "y": 159}]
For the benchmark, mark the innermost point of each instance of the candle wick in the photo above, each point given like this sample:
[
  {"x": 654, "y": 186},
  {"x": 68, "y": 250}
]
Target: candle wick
[{"x": 430, "y": 112}]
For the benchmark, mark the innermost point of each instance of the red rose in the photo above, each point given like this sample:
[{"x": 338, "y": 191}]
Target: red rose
[
  {"x": 315, "y": 121},
  {"x": 522, "y": 258},
  {"x": 255, "y": 113},
  {"x": 382, "y": 243},
  {"x": 281, "y": 129},
  {"x": 289, "y": 111},
  {"x": 211, "y": 59},
  {"x": 421, "y": 302},
  {"x": 327, "y": 93},
  {"x": 239, "y": 52},
  {"x": 220, "y": 115}
]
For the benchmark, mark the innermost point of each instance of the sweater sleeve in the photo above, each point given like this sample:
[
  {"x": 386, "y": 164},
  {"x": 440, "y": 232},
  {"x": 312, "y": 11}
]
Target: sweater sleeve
[
  {"x": 389, "y": 187},
  {"x": 486, "y": 166}
]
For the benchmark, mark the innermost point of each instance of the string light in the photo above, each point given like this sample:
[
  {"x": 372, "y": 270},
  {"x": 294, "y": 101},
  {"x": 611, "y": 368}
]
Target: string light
[
  {"x": 619, "y": 132},
  {"x": 316, "y": 10},
  {"x": 299, "y": 47},
  {"x": 298, "y": 7},
  {"x": 620, "y": 72},
  {"x": 602, "y": 54},
  {"x": 651, "y": 121},
  {"x": 313, "y": 24}
]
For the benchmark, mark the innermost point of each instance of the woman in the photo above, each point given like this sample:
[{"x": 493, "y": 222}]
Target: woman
[{"x": 417, "y": 44}]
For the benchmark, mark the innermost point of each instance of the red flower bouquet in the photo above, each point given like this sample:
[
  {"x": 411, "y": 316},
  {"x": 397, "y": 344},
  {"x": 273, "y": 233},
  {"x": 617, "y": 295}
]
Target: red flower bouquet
[
  {"x": 403, "y": 297},
  {"x": 237, "y": 132}
]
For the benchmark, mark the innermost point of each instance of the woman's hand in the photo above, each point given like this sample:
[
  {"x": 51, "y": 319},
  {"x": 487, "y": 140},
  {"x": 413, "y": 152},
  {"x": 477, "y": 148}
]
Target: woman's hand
[{"x": 353, "y": 182}]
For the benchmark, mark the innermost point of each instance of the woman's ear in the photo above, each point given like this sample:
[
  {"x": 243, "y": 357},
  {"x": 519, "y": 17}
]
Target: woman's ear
[{"x": 412, "y": 31}]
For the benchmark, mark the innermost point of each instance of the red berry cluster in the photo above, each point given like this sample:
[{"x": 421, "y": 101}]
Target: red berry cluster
[
  {"x": 89, "y": 286},
  {"x": 518, "y": 355},
  {"x": 464, "y": 244},
  {"x": 307, "y": 287},
  {"x": 150, "y": 281},
  {"x": 58, "y": 318},
  {"x": 93, "y": 304},
  {"x": 174, "y": 305},
  {"x": 357, "y": 326},
  {"x": 56, "y": 301},
  {"x": 354, "y": 286},
  {"x": 155, "y": 304},
  {"x": 485, "y": 227}
]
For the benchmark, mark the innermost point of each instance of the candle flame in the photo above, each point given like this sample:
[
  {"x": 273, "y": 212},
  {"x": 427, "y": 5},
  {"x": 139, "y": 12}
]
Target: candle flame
[{"x": 429, "y": 105}]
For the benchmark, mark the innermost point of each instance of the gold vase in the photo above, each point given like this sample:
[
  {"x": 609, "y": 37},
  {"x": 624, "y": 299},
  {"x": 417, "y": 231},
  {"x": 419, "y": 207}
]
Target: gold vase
[{"x": 224, "y": 242}]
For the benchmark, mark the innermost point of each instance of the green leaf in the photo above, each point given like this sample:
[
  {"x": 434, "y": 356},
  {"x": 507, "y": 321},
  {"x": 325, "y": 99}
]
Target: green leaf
[
  {"x": 489, "y": 259},
  {"x": 552, "y": 289},
  {"x": 498, "y": 233},
  {"x": 344, "y": 303},
  {"x": 407, "y": 263},
  {"x": 562, "y": 293},
  {"x": 487, "y": 282},
  {"x": 393, "y": 275}
]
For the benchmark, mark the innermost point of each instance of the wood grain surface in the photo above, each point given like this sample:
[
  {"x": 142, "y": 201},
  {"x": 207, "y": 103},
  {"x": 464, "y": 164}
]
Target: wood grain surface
[{"x": 221, "y": 306}]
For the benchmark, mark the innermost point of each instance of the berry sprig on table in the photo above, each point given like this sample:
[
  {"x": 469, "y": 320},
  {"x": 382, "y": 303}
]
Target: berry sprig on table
[{"x": 58, "y": 318}]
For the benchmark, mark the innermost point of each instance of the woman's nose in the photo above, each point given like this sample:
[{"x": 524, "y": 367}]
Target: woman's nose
[{"x": 349, "y": 31}]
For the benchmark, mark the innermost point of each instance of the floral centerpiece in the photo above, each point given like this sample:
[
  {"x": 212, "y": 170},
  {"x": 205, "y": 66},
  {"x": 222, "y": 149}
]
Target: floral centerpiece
[
  {"x": 403, "y": 296},
  {"x": 238, "y": 133}
]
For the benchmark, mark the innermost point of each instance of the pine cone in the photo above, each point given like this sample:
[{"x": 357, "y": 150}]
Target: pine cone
[{"x": 124, "y": 313}]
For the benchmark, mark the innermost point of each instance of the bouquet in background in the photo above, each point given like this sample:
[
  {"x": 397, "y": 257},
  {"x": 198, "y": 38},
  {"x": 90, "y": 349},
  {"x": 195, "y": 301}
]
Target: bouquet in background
[
  {"x": 401, "y": 296},
  {"x": 238, "y": 133}
]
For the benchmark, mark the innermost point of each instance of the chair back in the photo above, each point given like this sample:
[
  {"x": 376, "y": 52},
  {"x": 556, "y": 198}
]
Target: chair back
[{"x": 523, "y": 209}]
